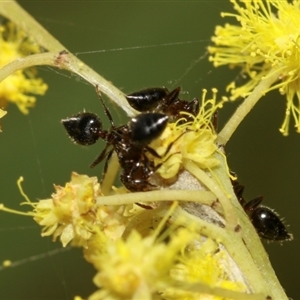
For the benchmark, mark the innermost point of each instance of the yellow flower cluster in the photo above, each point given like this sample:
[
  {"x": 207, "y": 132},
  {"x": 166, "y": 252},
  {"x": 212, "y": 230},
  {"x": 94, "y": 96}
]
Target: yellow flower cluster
[
  {"x": 194, "y": 140},
  {"x": 18, "y": 87},
  {"x": 73, "y": 215},
  {"x": 151, "y": 268},
  {"x": 136, "y": 268},
  {"x": 138, "y": 252},
  {"x": 207, "y": 265},
  {"x": 265, "y": 41}
]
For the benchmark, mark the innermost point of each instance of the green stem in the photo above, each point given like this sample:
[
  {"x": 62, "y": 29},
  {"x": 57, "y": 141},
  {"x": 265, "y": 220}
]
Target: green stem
[
  {"x": 229, "y": 214},
  {"x": 242, "y": 111},
  {"x": 203, "y": 197},
  {"x": 58, "y": 55},
  {"x": 11, "y": 10},
  {"x": 249, "y": 250}
]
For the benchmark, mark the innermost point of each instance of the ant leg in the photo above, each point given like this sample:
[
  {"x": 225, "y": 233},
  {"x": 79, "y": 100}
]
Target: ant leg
[
  {"x": 215, "y": 120},
  {"x": 193, "y": 107},
  {"x": 172, "y": 96},
  {"x": 253, "y": 204},
  {"x": 160, "y": 164},
  {"x": 109, "y": 154},
  {"x": 154, "y": 153},
  {"x": 100, "y": 157},
  {"x": 239, "y": 190},
  {"x": 107, "y": 112}
]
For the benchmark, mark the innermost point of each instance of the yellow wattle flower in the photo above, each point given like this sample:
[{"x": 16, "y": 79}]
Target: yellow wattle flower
[
  {"x": 265, "y": 41},
  {"x": 136, "y": 268},
  {"x": 194, "y": 140},
  {"x": 20, "y": 87},
  {"x": 73, "y": 214},
  {"x": 146, "y": 267}
]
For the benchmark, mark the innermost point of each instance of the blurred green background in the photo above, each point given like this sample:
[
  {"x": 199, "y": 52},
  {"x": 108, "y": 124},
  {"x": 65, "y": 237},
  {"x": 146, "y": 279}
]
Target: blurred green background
[{"x": 134, "y": 44}]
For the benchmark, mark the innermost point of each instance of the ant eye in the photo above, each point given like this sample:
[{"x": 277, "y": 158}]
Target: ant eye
[
  {"x": 147, "y": 99},
  {"x": 269, "y": 225},
  {"x": 147, "y": 127},
  {"x": 83, "y": 128}
]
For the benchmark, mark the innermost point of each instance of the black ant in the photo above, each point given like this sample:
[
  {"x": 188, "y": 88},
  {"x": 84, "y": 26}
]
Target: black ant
[
  {"x": 129, "y": 141},
  {"x": 266, "y": 221},
  {"x": 160, "y": 99}
]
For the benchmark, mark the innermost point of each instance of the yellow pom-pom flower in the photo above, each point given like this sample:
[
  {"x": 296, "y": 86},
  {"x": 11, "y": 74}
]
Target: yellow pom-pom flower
[
  {"x": 194, "y": 140},
  {"x": 146, "y": 267},
  {"x": 136, "y": 268},
  {"x": 19, "y": 87},
  {"x": 73, "y": 215},
  {"x": 265, "y": 41}
]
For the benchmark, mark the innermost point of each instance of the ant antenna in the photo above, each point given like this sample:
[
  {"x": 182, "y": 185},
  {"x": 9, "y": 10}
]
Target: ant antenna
[{"x": 106, "y": 110}]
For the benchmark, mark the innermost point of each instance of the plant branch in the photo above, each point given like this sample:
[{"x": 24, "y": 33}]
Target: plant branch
[
  {"x": 58, "y": 56},
  {"x": 203, "y": 197},
  {"x": 242, "y": 111}
]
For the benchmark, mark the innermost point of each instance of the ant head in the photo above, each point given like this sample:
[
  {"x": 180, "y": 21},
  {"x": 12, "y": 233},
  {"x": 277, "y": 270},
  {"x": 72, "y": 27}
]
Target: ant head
[{"x": 84, "y": 128}]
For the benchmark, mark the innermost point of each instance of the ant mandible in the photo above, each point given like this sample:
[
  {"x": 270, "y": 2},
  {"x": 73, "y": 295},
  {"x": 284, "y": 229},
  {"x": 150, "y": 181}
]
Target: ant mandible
[
  {"x": 266, "y": 221},
  {"x": 129, "y": 141}
]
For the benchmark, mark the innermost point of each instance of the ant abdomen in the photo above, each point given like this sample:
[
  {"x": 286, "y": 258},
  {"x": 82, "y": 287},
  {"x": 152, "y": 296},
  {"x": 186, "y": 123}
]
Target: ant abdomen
[
  {"x": 161, "y": 100},
  {"x": 147, "y": 127},
  {"x": 269, "y": 225},
  {"x": 83, "y": 128},
  {"x": 265, "y": 220},
  {"x": 148, "y": 99}
]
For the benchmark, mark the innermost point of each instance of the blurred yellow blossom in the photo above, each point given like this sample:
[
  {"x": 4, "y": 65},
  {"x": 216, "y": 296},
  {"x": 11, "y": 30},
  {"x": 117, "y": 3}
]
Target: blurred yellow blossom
[
  {"x": 137, "y": 268},
  {"x": 204, "y": 263},
  {"x": 18, "y": 87},
  {"x": 265, "y": 41},
  {"x": 152, "y": 268}
]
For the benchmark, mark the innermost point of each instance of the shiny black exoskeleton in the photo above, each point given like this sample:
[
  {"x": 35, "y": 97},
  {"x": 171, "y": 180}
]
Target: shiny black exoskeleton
[
  {"x": 148, "y": 99},
  {"x": 160, "y": 99},
  {"x": 266, "y": 221},
  {"x": 130, "y": 142}
]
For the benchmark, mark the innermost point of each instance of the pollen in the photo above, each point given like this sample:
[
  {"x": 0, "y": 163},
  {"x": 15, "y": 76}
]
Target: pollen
[
  {"x": 20, "y": 87},
  {"x": 265, "y": 41}
]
